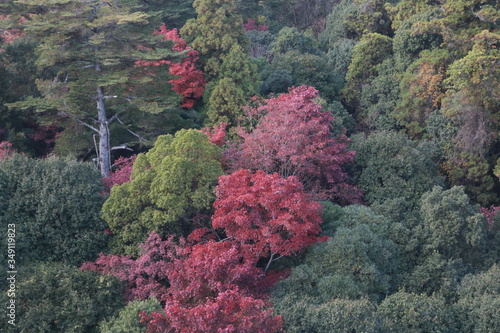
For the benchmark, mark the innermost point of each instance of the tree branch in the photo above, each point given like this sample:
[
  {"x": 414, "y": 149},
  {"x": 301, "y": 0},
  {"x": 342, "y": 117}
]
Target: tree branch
[
  {"x": 80, "y": 122},
  {"x": 131, "y": 132}
]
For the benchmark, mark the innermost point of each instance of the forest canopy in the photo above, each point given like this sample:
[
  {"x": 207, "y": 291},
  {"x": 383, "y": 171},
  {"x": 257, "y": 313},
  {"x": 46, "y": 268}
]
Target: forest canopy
[{"x": 250, "y": 166}]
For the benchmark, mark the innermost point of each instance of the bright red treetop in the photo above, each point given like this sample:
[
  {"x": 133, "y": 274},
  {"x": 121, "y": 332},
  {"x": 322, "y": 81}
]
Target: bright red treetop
[
  {"x": 191, "y": 82},
  {"x": 213, "y": 289},
  {"x": 267, "y": 214},
  {"x": 294, "y": 138},
  {"x": 230, "y": 312},
  {"x": 203, "y": 271}
]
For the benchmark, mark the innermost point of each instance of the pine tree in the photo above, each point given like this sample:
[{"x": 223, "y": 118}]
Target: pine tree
[
  {"x": 214, "y": 32},
  {"x": 87, "y": 54},
  {"x": 238, "y": 82}
]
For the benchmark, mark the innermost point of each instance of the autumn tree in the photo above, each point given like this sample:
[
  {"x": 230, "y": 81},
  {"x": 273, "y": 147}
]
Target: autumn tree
[
  {"x": 190, "y": 82},
  {"x": 268, "y": 215},
  {"x": 88, "y": 50},
  {"x": 170, "y": 185},
  {"x": 422, "y": 89},
  {"x": 293, "y": 137},
  {"x": 210, "y": 281}
]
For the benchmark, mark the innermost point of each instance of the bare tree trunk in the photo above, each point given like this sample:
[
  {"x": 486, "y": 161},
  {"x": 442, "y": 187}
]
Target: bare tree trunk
[{"x": 104, "y": 153}]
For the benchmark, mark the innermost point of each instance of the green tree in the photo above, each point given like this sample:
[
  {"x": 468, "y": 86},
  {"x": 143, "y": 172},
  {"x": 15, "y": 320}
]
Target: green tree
[
  {"x": 127, "y": 320},
  {"x": 372, "y": 50},
  {"x": 337, "y": 286},
  {"x": 291, "y": 39},
  {"x": 473, "y": 93},
  {"x": 354, "y": 263},
  {"x": 171, "y": 185},
  {"x": 479, "y": 301},
  {"x": 450, "y": 241},
  {"x": 416, "y": 313},
  {"x": 451, "y": 225},
  {"x": 90, "y": 50},
  {"x": 238, "y": 82},
  {"x": 379, "y": 98},
  {"x": 337, "y": 315},
  {"x": 213, "y": 32},
  {"x": 59, "y": 298},
  {"x": 174, "y": 13},
  {"x": 394, "y": 172},
  {"x": 55, "y": 205},
  {"x": 305, "y": 69}
]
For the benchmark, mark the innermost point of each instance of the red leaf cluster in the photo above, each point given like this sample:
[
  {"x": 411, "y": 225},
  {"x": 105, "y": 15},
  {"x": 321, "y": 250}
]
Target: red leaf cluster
[
  {"x": 216, "y": 135},
  {"x": 121, "y": 175},
  {"x": 9, "y": 35},
  {"x": 6, "y": 150},
  {"x": 230, "y": 312},
  {"x": 210, "y": 286},
  {"x": 266, "y": 214},
  {"x": 190, "y": 82},
  {"x": 490, "y": 213},
  {"x": 206, "y": 287},
  {"x": 250, "y": 25},
  {"x": 294, "y": 138},
  {"x": 144, "y": 277}
]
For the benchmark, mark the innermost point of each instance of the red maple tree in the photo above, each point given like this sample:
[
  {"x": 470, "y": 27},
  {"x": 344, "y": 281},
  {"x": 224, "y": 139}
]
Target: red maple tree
[
  {"x": 144, "y": 277},
  {"x": 250, "y": 25},
  {"x": 268, "y": 215},
  {"x": 294, "y": 138},
  {"x": 230, "y": 312}
]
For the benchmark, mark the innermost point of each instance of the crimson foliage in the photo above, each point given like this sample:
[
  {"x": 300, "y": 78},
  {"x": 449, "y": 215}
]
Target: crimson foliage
[
  {"x": 121, "y": 174},
  {"x": 267, "y": 214},
  {"x": 206, "y": 287},
  {"x": 144, "y": 277},
  {"x": 216, "y": 135},
  {"x": 293, "y": 137},
  {"x": 190, "y": 82}
]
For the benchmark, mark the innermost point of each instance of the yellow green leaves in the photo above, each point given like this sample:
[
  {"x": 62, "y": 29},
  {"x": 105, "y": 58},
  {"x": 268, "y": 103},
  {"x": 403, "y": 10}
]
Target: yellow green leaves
[{"x": 171, "y": 184}]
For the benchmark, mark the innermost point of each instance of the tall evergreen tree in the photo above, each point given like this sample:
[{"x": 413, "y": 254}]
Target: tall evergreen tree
[
  {"x": 214, "y": 31},
  {"x": 238, "y": 81},
  {"x": 87, "y": 54}
]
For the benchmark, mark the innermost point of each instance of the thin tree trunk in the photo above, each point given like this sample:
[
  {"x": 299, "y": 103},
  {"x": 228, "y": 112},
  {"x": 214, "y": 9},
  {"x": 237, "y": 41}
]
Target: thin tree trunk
[{"x": 104, "y": 146}]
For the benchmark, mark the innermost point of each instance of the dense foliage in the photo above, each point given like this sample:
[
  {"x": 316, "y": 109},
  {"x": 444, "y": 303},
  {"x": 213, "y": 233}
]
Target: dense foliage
[
  {"x": 175, "y": 151},
  {"x": 55, "y": 297},
  {"x": 55, "y": 205}
]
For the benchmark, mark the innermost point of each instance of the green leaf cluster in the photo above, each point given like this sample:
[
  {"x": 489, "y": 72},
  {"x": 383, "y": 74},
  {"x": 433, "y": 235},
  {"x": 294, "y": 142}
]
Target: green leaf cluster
[
  {"x": 55, "y": 205},
  {"x": 171, "y": 184},
  {"x": 55, "y": 297}
]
